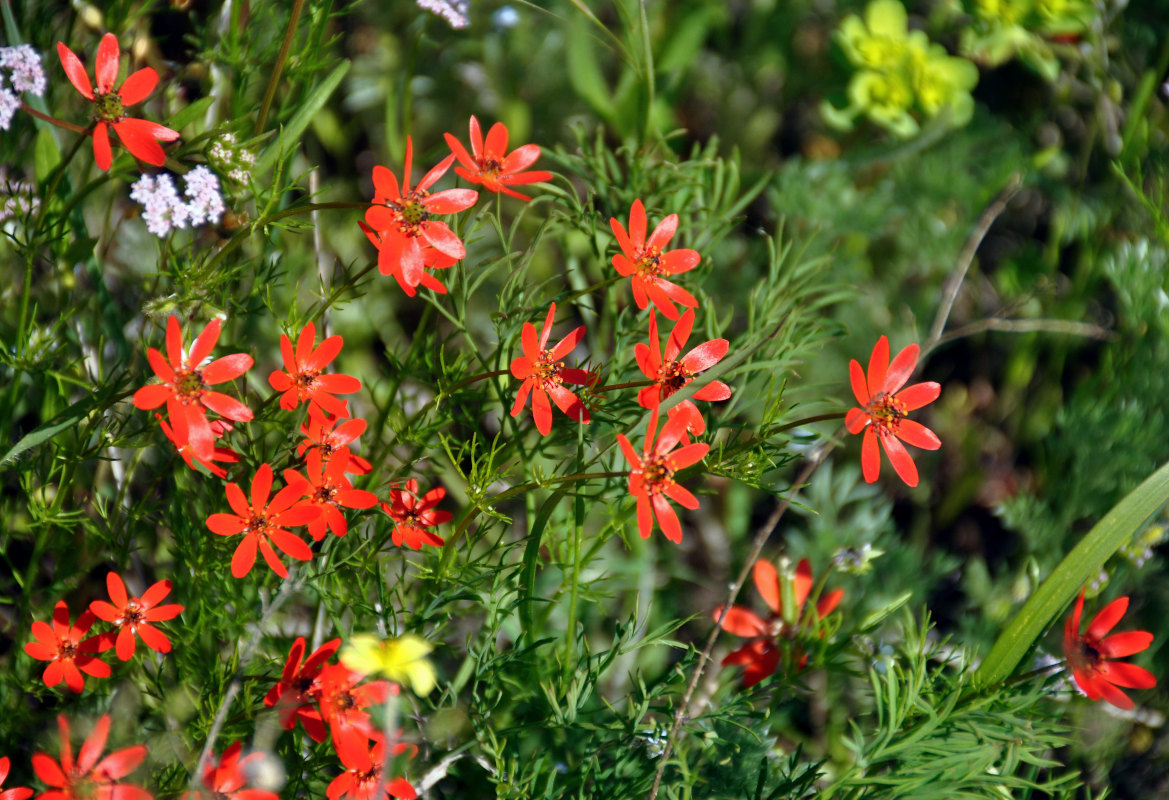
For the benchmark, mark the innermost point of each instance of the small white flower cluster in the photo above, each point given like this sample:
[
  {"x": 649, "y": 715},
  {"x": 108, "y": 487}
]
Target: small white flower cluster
[
  {"x": 453, "y": 11},
  {"x": 231, "y": 160},
  {"x": 17, "y": 198},
  {"x": 23, "y": 66},
  {"x": 165, "y": 211}
]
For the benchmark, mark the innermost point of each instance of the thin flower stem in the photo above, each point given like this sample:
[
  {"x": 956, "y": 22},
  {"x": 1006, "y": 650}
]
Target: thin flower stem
[
  {"x": 60, "y": 123},
  {"x": 278, "y": 67},
  {"x": 614, "y": 386}
]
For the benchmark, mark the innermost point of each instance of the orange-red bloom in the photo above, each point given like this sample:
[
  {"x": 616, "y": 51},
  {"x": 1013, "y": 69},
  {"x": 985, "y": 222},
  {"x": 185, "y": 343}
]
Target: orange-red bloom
[
  {"x": 322, "y": 433},
  {"x": 299, "y": 688},
  {"x": 66, "y": 649},
  {"x": 399, "y": 224},
  {"x": 1089, "y": 654},
  {"x": 87, "y": 778},
  {"x": 669, "y": 374},
  {"x": 226, "y": 780},
  {"x": 327, "y": 488},
  {"x": 648, "y": 260},
  {"x": 414, "y": 514},
  {"x": 184, "y": 387},
  {"x": 884, "y": 405},
  {"x": 363, "y": 772},
  {"x": 651, "y": 480},
  {"x": 261, "y": 523},
  {"x": 489, "y": 165},
  {"x": 15, "y": 792},
  {"x": 343, "y": 703},
  {"x": 225, "y": 454},
  {"x": 760, "y": 656},
  {"x": 140, "y": 136},
  {"x": 544, "y": 374},
  {"x": 132, "y": 616},
  {"x": 305, "y": 379}
]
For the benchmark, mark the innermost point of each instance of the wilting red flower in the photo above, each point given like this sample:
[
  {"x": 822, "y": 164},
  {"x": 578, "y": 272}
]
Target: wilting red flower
[
  {"x": 262, "y": 523},
  {"x": 343, "y": 703},
  {"x": 304, "y": 379},
  {"x": 332, "y": 441},
  {"x": 1089, "y": 654},
  {"x": 132, "y": 615},
  {"x": 363, "y": 772},
  {"x": 226, "y": 780},
  {"x": 671, "y": 373},
  {"x": 184, "y": 387},
  {"x": 489, "y": 165},
  {"x": 65, "y": 648},
  {"x": 399, "y": 224},
  {"x": 544, "y": 374},
  {"x": 299, "y": 688},
  {"x": 651, "y": 480},
  {"x": 761, "y": 654},
  {"x": 88, "y": 778},
  {"x": 225, "y": 454},
  {"x": 647, "y": 261},
  {"x": 16, "y": 792},
  {"x": 327, "y": 488},
  {"x": 139, "y": 136},
  {"x": 415, "y": 514},
  {"x": 884, "y": 405}
]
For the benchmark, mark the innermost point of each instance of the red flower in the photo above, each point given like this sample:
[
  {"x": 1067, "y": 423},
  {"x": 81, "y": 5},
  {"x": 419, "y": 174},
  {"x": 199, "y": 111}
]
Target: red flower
[
  {"x": 133, "y": 615},
  {"x": 328, "y": 489},
  {"x": 88, "y": 778},
  {"x": 647, "y": 261},
  {"x": 415, "y": 514},
  {"x": 544, "y": 374},
  {"x": 299, "y": 688},
  {"x": 184, "y": 387},
  {"x": 884, "y": 405},
  {"x": 400, "y": 226},
  {"x": 16, "y": 792},
  {"x": 261, "y": 523},
  {"x": 139, "y": 136},
  {"x": 670, "y": 374},
  {"x": 651, "y": 480},
  {"x": 761, "y": 654},
  {"x": 1089, "y": 654},
  {"x": 363, "y": 775},
  {"x": 304, "y": 379},
  {"x": 333, "y": 443},
  {"x": 224, "y": 454},
  {"x": 225, "y": 780},
  {"x": 68, "y": 653},
  {"x": 343, "y": 705},
  {"x": 488, "y": 165}
]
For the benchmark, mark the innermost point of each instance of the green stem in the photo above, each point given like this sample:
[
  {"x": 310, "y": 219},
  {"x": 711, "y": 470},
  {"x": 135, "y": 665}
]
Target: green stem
[
  {"x": 278, "y": 67},
  {"x": 614, "y": 386},
  {"x": 60, "y": 123}
]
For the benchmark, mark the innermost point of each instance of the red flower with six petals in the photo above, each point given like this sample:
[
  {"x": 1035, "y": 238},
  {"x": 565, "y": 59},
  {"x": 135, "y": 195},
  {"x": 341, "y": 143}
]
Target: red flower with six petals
[
  {"x": 651, "y": 480},
  {"x": 16, "y": 792},
  {"x": 262, "y": 523},
  {"x": 323, "y": 434},
  {"x": 415, "y": 514},
  {"x": 669, "y": 374},
  {"x": 88, "y": 778},
  {"x": 488, "y": 165},
  {"x": 328, "y": 489},
  {"x": 363, "y": 774},
  {"x": 648, "y": 260},
  {"x": 1089, "y": 654},
  {"x": 544, "y": 374},
  {"x": 184, "y": 387},
  {"x": 226, "y": 780},
  {"x": 299, "y": 688},
  {"x": 67, "y": 651},
  {"x": 140, "y": 136},
  {"x": 884, "y": 405},
  {"x": 304, "y": 379},
  {"x": 132, "y": 616}
]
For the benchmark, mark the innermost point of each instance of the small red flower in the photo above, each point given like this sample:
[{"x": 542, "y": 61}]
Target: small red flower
[
  {"x": 225, "y": 454},
  {"x": 140, "y": 136},
  {"x": 16, "y": 792},
  {"x": 544, "y": 374},
  {"x": 262, "y": 523},
  {"x": 761, "y": 654},
  {"x": 671, "y": 373},
  {"x": 226, "y": 780},
  {"x": 132, "y": 615},
  {"x": 363, "y": 774},
  {"x": 64, "y": 646},
  {"x": 1089, "y": 654},
  {"x": 884, "y": 405},
  {"x": 88, "y": 778},
  {"x": 327, "y": 488},
  {"x": 343, "y": 703},
  {"x": 489, "y": 165},
  {"x": 647, "y": 261},
  {"x": 400, "y": 224},
  {"x": 299, "y": 688},
  {"x": 651, "y": 480},
  {"x": 184, "y": 387},
  {"x": 415, "y": 514},
  {"x": 323, "y": 434},
  {"x": 304, "y": 379}
]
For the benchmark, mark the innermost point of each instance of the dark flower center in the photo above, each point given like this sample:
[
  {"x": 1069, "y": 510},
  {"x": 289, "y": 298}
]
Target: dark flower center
[
  {"x": 649, "y": 262},
  {"x": 325, "y": 493},
  {"x": 489, "y": 165},
  {"x": 411, "y": 212},
  {"x": 886, "y": 413},
  {"x": 306, "y": 381},
  {"x": 133, "y": 614},
  {"x": 672, "y": 377},
  {"x": 656, "y": 474},
  {"x": 188, "y": 385},
  {"x": 546, "y": 370},
  {"x": 66, "y": 649},
  {"x": 108, "y": 107},
  {"x": 258, "y": 523}
]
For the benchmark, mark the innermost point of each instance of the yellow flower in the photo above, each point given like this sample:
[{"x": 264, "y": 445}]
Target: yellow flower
[{"x": 402, "y": 660}]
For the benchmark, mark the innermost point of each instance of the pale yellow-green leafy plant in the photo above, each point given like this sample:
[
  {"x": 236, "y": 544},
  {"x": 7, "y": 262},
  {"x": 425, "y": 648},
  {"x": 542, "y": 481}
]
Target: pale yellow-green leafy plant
[{"x": 1000, "y": 30}]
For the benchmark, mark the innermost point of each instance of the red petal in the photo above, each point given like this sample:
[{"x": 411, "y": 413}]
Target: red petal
[
  {"x": 226, "y": 407},
  {"x": 432, "y": 176},
  {"x": 626, "y": 246},
  {"x": 122, "y": 763},
  {"x": 75, "y": 71},
  {"x": 900, "y": 459},
  {"x": 1106, "y": 619},
  {"x": 663, "y": 233},
  {"x": 870, "y": 456},
  {"x": 919, "y": 394},
  {"x": 138, "y": 86},
  {"x": 706, "y": 355},
  {"x": 125, "y": 644},
  {"x": 451, "y": 201},
  {"x": 225, "y": 524},
  {"x": 1129, "y": 676},
  {"x": 139, "y": 142},
  {"x": 541, "y": 410},
  {"x": 385, "y": 185},
  {"x": 901, "y": 368},
  {"x": 667, "y": 519},
  {"x": 918, "y": 435},
  {"x": 521, "y": 158},
  {"x": 878, "y": 365},
  {"x": 637, "y": 225},
  {"x": 460, "y": 152},
  {"x": 767, "y": 583},
  {"x": 291, "y": 544},
  {"x": 152, "y": 396},
  {"x": 741, "y": 621},
  {"x": 856, "y": 377},
  {"x": 227, "y": 368},
  {"x": 244, "y": 557},
  {"x": 106, "y": 64},
  {"x": 1119, "y": 645},
  {"x": 238, "y": 501},
  {"x": 568, "y": 343},
  {"x": 802, "y": 583},
  {"x": 46, "y": 768},
  {"x": 103, "y": 156}
]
